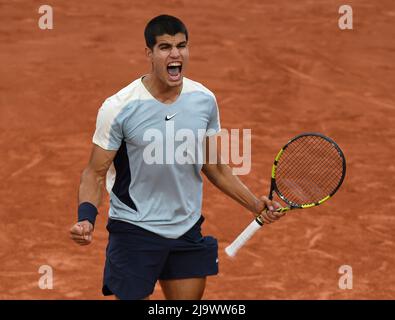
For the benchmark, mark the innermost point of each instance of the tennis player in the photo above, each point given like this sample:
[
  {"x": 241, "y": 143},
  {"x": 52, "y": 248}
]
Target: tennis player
[{"x": 155, "y": 214}]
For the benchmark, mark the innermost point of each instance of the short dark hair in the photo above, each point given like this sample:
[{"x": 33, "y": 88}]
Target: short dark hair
[{"x": 160, "y": 25}]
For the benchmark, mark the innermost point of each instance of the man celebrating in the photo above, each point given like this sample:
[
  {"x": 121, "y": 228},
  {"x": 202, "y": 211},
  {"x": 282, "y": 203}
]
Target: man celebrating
[{"x": 155, "y": 208}]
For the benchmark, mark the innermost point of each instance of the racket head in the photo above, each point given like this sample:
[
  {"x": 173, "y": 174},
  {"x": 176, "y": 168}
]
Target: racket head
[{"x": 308, "y": 170}]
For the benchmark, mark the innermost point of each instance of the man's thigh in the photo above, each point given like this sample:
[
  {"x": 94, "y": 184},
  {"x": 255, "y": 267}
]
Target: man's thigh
[{"x": 183, "y": 289}]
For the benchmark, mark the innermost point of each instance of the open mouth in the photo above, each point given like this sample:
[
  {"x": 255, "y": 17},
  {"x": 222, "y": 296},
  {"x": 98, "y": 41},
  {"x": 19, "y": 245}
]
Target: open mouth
[{"x": 174, "y": 70}]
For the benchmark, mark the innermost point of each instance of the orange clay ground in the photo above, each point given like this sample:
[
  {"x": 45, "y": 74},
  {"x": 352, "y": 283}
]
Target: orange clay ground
[{"x": 278, "y": 68}]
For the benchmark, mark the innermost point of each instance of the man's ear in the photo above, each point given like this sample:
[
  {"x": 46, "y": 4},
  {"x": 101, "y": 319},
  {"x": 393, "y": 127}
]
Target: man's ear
[{"x": 148, "y": 53}]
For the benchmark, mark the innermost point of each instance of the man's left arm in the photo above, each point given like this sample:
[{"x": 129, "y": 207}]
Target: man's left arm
[{"x": 220, "y": 174}]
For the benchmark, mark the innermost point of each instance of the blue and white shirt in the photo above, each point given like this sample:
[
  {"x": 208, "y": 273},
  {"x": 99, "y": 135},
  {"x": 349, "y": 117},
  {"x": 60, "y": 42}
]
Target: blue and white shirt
[{"x": 157, "y": 183}]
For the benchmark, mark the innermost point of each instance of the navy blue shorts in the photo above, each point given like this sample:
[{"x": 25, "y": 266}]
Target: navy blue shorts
[{"x": 137, "y": 258}]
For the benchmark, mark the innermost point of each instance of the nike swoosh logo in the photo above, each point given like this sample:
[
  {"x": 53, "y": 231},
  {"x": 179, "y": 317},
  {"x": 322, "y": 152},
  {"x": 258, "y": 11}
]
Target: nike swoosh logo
[{"x": 171, "y": 116}]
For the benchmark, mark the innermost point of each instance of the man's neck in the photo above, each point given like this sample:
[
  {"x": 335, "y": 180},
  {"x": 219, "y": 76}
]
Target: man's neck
[{"x": 160, "y": 90}]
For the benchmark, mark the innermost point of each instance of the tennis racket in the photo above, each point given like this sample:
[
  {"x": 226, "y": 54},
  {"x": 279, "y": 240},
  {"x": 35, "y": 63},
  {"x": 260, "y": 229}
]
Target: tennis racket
[{"x": 306, "y": 172}]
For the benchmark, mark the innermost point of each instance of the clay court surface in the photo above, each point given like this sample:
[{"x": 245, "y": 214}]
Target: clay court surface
[{"x": 278, "y": 68}]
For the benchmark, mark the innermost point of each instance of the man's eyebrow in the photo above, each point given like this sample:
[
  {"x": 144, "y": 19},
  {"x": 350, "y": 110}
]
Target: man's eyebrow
[{"x": 169, "y": 44}]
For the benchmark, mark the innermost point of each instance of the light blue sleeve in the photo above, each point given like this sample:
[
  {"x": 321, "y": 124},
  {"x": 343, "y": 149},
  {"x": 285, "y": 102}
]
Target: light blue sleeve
[
  {"x": 108, "y": 134},
  {"x": 214, "y": 125}
]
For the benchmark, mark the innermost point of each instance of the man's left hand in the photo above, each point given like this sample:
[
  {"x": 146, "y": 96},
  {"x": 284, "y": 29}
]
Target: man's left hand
[{"x": 266, "y": 209}]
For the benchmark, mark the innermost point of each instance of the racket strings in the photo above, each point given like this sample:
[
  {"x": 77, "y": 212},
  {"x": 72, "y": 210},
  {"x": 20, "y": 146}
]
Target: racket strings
[
  {"x": 319, "y": 172},
  {"x": 322, "y": 165},
  {"x": 302, "y": 190},
  {"x": 309, "y": 169},
  {"x": 307, "y": 180}
]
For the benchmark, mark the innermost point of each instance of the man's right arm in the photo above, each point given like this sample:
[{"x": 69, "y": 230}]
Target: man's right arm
[
  {"x": 90, "y": 191},
  {"x": 94, "y": 175}
]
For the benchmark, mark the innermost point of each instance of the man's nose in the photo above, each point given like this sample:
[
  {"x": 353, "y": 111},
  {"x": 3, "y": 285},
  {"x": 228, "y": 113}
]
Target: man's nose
[{"x": 175, "y": 52}]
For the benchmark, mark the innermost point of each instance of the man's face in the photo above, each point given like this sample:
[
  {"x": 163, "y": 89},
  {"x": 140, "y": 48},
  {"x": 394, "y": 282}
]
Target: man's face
[{"x": 169, "y": 58}]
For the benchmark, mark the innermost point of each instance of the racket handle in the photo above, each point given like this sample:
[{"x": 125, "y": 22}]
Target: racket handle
[{"x": 243, "y": 237}]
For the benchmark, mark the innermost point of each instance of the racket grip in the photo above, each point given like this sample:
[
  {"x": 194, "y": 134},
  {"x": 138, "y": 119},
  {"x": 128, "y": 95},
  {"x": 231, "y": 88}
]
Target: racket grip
[{"x": 243, "y": 237}]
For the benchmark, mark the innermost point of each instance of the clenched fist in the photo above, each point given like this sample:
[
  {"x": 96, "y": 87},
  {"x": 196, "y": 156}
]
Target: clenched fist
[{"x": 82, "y": 232}]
